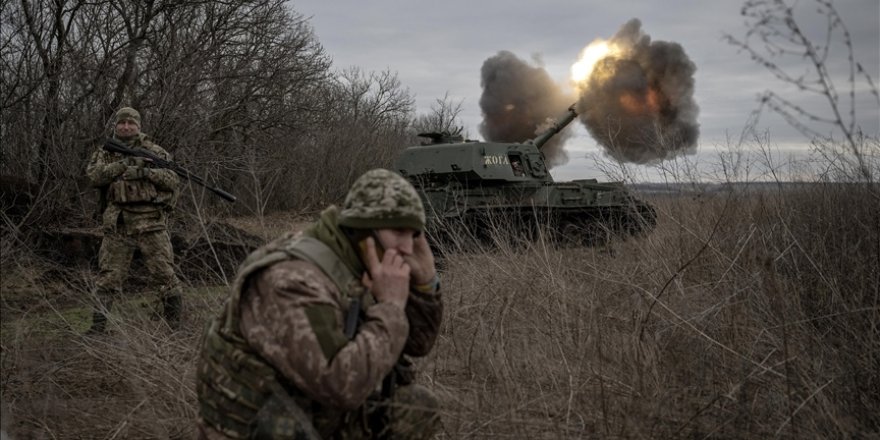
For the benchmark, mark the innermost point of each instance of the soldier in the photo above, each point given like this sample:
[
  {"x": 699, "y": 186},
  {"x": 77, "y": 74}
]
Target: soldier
[
  {"x": 138, "y": 200},
  {"x": 311, "y": 341}
]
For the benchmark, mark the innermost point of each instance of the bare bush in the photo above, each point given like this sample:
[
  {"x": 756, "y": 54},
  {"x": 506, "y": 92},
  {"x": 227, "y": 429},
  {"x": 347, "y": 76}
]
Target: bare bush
[
  {"x": 364, "y": 127},
  {"x": 241, "y": 92},
  {"x": 778, "y": 41},
  {"x": 443, "y": 118}
]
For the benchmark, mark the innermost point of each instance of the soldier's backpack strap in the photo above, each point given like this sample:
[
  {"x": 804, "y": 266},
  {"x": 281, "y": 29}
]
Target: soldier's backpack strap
[
  {"x": 313, "y": 250},
  {"x": 304, "y": 248}
]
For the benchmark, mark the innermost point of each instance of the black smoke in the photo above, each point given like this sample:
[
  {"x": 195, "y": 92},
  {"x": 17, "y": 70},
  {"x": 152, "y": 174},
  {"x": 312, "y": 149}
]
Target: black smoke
[
  {"x": 517, "y": 101},
  {"x": 638, "y": 103}
]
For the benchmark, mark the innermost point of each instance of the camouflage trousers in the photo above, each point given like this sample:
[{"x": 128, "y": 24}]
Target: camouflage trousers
[
  {"x": 411, "y": 413},
  {"x": 115, "y": 256}
]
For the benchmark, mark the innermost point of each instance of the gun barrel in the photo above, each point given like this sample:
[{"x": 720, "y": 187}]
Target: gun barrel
[
  {"x": 223, "y": 194},
  {"x": 114, "y": 146},
  {"x": 556, "y": 128}
]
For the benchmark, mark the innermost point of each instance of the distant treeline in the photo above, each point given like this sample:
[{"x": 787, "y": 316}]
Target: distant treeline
[{"x": 698, "y": 188}]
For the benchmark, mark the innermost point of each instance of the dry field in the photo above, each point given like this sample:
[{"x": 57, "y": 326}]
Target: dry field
[{"x": 742, "y": 315}]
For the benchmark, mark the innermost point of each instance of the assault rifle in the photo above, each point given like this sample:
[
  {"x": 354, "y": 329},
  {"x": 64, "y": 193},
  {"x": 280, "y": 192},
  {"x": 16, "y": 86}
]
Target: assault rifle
[{"x": 113, "y": 146}]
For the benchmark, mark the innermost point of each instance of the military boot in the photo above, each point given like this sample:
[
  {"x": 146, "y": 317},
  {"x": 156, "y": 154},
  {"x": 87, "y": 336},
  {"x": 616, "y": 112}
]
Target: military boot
[
  {"x": 105, "y": 298},
  {"x": 171, "y": 309},
  {"x": 99, "y": 319},
  {"x": 99, "y": 324}
]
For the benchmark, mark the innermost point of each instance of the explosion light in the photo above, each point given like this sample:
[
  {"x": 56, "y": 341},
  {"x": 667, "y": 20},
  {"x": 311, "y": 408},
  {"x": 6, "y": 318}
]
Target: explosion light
[{"x": 588, "y": 58}]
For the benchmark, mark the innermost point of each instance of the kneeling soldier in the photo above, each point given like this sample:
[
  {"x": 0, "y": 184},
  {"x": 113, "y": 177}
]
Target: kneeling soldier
[{"x": 312, "y": 340}]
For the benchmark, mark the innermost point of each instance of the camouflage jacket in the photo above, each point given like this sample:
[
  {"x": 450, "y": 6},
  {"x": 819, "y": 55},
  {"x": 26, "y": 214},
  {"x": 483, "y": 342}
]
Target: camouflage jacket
[
  {"x": 290, "y": 318},
  {"x": 138, "y": 204}
]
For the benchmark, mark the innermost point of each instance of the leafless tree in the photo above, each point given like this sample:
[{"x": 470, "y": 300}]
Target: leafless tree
[
  {"x": 239, "y": 91},
  {"x": 444, "y": 117},
  {"x": 777, "y": 40},
  {"x": 365, "y": 127}
]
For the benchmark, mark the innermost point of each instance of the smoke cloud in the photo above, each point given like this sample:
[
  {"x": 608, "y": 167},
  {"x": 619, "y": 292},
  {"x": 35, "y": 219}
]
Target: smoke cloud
[
  {"x": 638, "y": 102},
  {"x": 517, "y": 101}
]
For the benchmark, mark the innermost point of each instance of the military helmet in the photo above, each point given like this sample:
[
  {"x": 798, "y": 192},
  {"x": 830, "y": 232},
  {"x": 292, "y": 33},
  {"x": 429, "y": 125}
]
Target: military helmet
[
  {"x": 127, "y": 113},
  {"x": 382, "y": 199}
]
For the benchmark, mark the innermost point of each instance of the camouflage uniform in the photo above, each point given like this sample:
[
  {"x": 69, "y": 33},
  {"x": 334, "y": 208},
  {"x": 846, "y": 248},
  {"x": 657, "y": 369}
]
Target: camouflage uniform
[
  {"x": 277, "y": 362},
  {"x": 138, "y": 201}
]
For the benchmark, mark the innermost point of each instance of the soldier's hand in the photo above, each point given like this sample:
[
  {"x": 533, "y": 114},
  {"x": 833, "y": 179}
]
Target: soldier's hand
[
  {"x": 421, "y": 262},
  {"x": 116, "y": 168},
  {"x": 134, "y": 173},
  {"x": 388, "y": 279},
  {"x": 139, "y": 162}
]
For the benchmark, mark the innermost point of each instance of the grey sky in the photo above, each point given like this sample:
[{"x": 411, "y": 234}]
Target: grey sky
[{"x": 439, "y": 47}]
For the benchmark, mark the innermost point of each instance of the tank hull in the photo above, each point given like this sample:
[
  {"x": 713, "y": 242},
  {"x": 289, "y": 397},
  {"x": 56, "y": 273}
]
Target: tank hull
[{"x": 579, "y": 212}]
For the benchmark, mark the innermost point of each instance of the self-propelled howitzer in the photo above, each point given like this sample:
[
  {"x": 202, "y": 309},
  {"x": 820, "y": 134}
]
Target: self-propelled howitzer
[{"x": 479, "y": 185}]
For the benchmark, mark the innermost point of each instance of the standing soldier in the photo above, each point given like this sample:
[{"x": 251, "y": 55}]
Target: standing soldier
[
  {"x": 138, "y": 201},
  {"x": 311, "y": 341}
]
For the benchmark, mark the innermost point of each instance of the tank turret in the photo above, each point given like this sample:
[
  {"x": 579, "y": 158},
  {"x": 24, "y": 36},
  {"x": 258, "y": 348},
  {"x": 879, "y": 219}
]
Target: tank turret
[{"x": 477, "y": 184}]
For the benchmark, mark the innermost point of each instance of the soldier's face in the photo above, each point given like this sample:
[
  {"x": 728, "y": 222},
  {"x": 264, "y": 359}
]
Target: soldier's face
[
  {"x": 401, "y": 239},
  {"x": 126, "y": 128}
]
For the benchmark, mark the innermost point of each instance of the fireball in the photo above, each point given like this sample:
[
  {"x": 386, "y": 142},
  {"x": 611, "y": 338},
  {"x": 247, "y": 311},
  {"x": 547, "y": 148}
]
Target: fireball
[
  {"x": 590, "y": 55},
  {"x": 641, "y": 104}
]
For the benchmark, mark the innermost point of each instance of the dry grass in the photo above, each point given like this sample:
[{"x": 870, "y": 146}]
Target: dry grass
[
  {"x": 135, "y": 382},
  {"x": 742, "y": 315},
  {"x": 271, "y": 226}
]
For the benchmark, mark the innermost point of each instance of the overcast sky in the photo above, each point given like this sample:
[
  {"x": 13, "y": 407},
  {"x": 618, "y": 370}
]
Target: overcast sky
[{"x": 438, "y": 47}]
